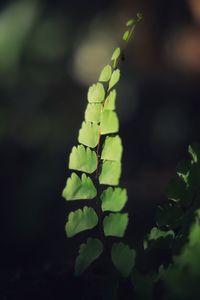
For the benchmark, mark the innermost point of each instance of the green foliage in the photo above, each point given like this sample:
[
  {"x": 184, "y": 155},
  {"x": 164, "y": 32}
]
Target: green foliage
[
  {"x": 79, "y": 188},
  {"x": 100, "y": 152},
  {"x": 105, "y": 73},
  {"x": 123, "y": 258},
  {"x": 89, "y": 134},
  {"x": 93, "y": 113},
  {"x": 115, "y": 56},
  {"x": 96, "y": 93},
  {"x": 178, "y": 233},
  {"x": 110, "y": 101},
  {"x": 114, "y": 78},
  {"x": 109, "y": 122},
  {"x": 80, "y": 220},
  {"x": 110, "y": 173},
  {"x": 112, "y": 149},
  {"x": 126, "y": 35},
  {"x": 83, "y": 159},
  {"x": 87, "y": 254},
  {"x": 113, "y": 199},
  {"x": 115, "y": 224}
]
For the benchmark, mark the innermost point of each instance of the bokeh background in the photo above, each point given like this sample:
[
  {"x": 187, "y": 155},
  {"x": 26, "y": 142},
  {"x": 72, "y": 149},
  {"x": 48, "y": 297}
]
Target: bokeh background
[{"x": 50, "y": 52}]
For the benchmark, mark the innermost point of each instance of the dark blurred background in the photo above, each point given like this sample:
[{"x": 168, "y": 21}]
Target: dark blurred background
[{"x": 50, "y": 52}]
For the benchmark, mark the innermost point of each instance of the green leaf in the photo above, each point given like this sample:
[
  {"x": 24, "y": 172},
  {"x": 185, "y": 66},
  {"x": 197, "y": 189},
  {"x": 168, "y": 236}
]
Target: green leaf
[
  {"x": 161, "y": 238},
  {"x": 123, "y": 258},
  {"x": 77, "y": 189},
  {"x": 110, "y": 173},
  {"x": 96, "y": 93},
  {"x": 126, "y": 35},
  {"x": 156, "y": 233},
  {"x": 183, "y": 170},
  {"x": 113, "y": 199},
  {"x": 130, "y": 22},
  {"x": 88, "y": 253},
  {"x": 110, "y": 101},
  {"x": 109, "y": 122},
  {"x": 105, "y": 73},
  {"x": 114, "y": 78},
  {"x": 112, "y": 149},
  {"x": 116, "y": 54},
  {"x": 93, "y": 112},
  {"x": 194, "y": 151},
  {"x": 115, "y": 224},
  {"x": 89, "y": 134},
  {"x": 80, "y": 220},
  {"x": 83, "y": 159}
]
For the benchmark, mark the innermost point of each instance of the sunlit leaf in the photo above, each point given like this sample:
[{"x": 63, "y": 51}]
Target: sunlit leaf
[
  {"x": 126, "y": 35},
  {"x": 96, "y": 93},
  {"x": 116, "y": 54},
  {"x": 113, "y": 199},
  {"x": 89, "y": 134},
  {"x": 123, "y": 258},
  {"x": 105, "y": 73},
  {"x": 115, "y": 224},
  {"x": 79, "y": 188},
  {"x": 112, "y": 149},
  {"x": 110, "y": 173},
  {"x": 114, "y": 78},
  {"x": 88, "y": 252},
  {"x": 93, "y": 112},
  {"x": 80, "y": 220},
  {"x": 110, "y": 101},
  {"x": 83, "y": 159},
  {"x": 130, "y": 22},
  {"x": 109, "y": 122}
]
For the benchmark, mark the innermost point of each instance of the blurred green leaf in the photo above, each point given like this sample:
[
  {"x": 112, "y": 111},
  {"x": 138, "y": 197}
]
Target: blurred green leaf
[
  {"x": 105, "y": 73},
  {"x": 16, "y": 22},
  {"x": 114, "y": 78},
  {"x": 130, "y": 22},
  {"x": 126, "y": 35}
]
